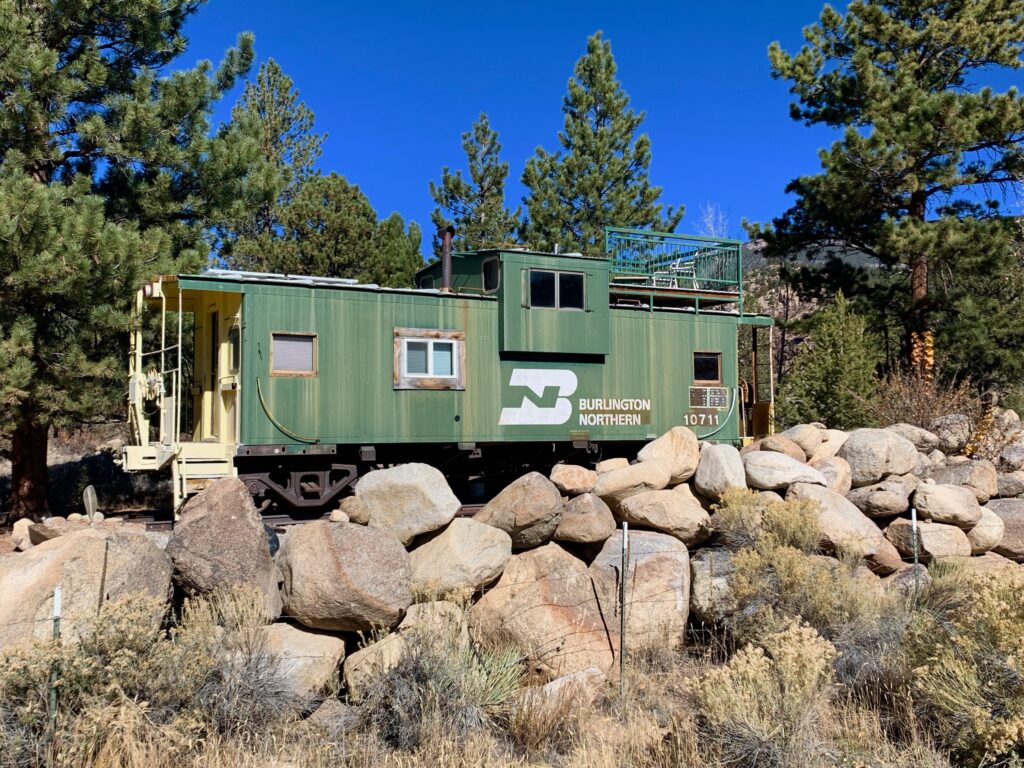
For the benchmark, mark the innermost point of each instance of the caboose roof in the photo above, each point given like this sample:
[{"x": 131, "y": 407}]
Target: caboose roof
[{"x": 239, "y": 279}]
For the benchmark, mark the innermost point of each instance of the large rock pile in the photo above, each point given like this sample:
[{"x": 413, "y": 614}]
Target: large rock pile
[{"x": 540, "y": 566}]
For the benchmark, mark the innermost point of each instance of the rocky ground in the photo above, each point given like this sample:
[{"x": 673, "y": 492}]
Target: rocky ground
[{"x": 539, "y": 568}]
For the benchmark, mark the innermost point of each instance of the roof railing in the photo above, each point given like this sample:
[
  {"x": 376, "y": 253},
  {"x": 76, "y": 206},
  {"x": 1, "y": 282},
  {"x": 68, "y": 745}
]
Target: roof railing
[{"x": 641, "y": 257}]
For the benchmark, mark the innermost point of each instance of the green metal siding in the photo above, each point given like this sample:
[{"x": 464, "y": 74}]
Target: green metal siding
[
  {"x": 352, "y": 398},
  {"x": 547, "y": 331},
  {"x": 466, "y": 272}
]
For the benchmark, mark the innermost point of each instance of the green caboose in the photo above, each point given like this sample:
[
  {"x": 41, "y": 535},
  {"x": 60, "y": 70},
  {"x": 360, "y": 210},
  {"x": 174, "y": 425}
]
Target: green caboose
[{"x": 497, "y": 360}]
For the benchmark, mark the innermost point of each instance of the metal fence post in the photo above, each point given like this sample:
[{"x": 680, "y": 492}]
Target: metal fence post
[
  {"x": 622, "y": 608},
  {"x": 913, "y": 533},
  {"x": 52, "y": 702}
]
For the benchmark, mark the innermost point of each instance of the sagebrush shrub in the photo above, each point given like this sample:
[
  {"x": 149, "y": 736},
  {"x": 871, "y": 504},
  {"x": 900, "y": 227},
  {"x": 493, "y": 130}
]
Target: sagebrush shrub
[
  {"x": 780, "y": 577},
  {"x": 764, "y": 707},
  {"x": 744, "y": 518},
  {"x": 738, "y": 518},
  {"x": 969, "y": 664}
]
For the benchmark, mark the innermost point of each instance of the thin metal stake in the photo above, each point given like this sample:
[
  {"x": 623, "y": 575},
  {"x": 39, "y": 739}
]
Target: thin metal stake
[
  {"x": 52, "y": 703},
  {"x": 913, "y": 531},
  {"x": 622, "y": 609}
]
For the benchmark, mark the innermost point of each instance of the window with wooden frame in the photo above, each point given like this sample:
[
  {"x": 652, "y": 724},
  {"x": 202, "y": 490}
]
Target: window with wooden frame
[
  {"x": 427, "y": 358},
  {"x": 293, "y": 354},
  {"x": 551, "y": 289},
  {"x": 707, "y": 368}
]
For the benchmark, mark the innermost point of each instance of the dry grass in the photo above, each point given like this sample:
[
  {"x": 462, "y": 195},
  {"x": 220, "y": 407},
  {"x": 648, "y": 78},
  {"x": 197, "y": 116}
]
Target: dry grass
[
  {"x": 131, "y": 693},
  {"x": 858, "y": 733},
  {"x": 441, "y": 683},
  {"x": 540, "y": 724}
]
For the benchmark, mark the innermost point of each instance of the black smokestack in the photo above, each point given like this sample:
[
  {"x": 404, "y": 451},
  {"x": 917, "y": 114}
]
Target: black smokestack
[{"x": 446, "y": 257}]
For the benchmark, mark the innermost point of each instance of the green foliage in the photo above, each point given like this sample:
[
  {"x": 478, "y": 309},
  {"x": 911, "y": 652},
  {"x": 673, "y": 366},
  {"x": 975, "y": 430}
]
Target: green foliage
[
  {"x": 475, "y": 206},
  {"x": 280, "y": 128},
  {"x": 108, "y": 173},
  {"x": 397, "y": 254},
  {"x": 329, "y": 228},
  {"x": 600, "y": 177},
  {"x": 833, "y": 374},
  {"x": 67, "y": 270},
  {"x": 920, "y": 178}
]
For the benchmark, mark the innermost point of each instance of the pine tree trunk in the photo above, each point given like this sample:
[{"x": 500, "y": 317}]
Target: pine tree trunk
[
  {"x": 28, "y": 471},
  {"x": 918, "y": 269},
  {"x": 919, "y": 278}
]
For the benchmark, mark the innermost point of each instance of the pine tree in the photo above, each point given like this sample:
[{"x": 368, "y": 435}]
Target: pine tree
[
  {"x": 600, "y": 177},
  {"x": 397, "y": 254},
  {"x": 475, "y": 206},
  {"x": 920, "y": 178},
  {"x": 833, "y": 374},
  {"x": 328, "y": 229},
  {"x": 270, "y": 113},
  {"x": 108, "y": 174},
  {"x": 331, "y": 229}
]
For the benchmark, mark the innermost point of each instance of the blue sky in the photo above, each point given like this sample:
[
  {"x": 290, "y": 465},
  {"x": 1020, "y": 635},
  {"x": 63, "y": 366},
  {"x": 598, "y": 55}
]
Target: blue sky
[{"x": 394, "y": 85}]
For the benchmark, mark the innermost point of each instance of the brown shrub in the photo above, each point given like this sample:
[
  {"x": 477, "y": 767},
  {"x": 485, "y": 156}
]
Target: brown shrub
[{"x": 912, "y": 396}]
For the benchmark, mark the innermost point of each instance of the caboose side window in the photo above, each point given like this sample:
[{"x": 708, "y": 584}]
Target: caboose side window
[
  {"x": 426, "y": 358},
  {"x": 292, "y": 354},
  {"x": 491, "y": 275},
  {"x": 707, "y": 367},
  {"x": 557, "y": 290}
]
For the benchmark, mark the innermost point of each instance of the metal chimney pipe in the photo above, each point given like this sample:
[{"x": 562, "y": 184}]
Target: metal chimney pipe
[{"x": 446, "y": 257}]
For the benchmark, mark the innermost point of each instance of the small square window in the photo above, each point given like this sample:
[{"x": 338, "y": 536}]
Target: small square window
[
  {"x": 429, "y": 358},
  {"x": 570, "y": 290},
  {"x": 542, "y": 289},
  {"x": 293, "y": 354},
  {"x": 492, "y": 275},
  {"x": 707, "y": 367}
]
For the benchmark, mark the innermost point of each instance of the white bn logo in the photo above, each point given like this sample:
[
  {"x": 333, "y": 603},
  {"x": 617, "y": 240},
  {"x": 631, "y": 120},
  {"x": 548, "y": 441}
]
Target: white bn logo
[{"x": 537, "y": 380}]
